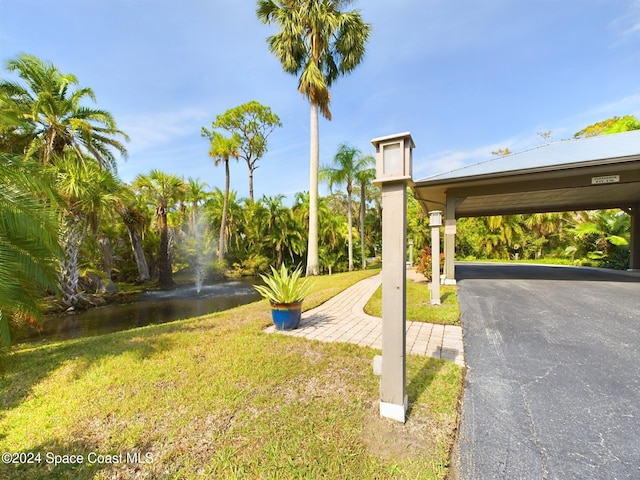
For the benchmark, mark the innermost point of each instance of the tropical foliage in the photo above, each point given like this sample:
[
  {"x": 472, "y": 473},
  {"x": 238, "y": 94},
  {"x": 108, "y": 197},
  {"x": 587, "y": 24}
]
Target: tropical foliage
[
  {"x": 29, "y": 248},
  {"x": 252, "y": 122},
  {"x": 162, "y": 192},
  {"x": 349, "y": 168},
  {"x": 47, "y": 115},
  {"x": 596, "y": 238},
  {"x": 609, "y": 126},
  {"x": 65, "y": 217}
]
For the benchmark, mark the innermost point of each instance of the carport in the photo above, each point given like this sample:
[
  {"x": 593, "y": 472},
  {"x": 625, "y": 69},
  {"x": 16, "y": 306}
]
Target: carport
[{"x": 585, "y": 174}]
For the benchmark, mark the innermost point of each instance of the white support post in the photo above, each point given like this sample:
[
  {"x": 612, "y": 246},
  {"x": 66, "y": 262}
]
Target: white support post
[
  {"x": 393, "y": 174},
  {"x": 393, "y": 397},
  {"x": 435, "y": 220}
]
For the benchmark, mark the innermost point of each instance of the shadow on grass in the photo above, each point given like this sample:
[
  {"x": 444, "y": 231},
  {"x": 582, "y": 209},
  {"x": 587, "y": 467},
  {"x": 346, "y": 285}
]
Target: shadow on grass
[
  {"x": 420, "y": 381},
  {"x": 446, "y": 295},
  {"x": 30, "y": 364}
]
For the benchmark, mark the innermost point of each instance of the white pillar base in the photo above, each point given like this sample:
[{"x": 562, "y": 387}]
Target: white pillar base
[
  {"x": 435, "y": 300},
  {"x": 393, "y": 411},
  {"x": 449, "y": 281}
]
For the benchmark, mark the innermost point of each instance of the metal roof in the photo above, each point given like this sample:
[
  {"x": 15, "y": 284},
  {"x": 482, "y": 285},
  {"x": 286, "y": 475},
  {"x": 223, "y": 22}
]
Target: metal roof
[
  {"x": 553, "y": 156},
  {"x": 584, "y": 174}
]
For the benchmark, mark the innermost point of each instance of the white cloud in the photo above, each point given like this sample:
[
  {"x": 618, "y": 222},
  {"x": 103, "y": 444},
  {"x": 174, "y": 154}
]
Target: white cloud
[
  {"x": 624, "y": 106},
  {"x": 149, "y": 130},
  {"x": 632, "y": 30},
  {"x": 448, "y": 160},
  {"x": 627, "y": 26}
]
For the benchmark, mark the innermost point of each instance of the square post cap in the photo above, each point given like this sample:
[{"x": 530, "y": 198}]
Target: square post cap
[{"x": 394, "y": 158}]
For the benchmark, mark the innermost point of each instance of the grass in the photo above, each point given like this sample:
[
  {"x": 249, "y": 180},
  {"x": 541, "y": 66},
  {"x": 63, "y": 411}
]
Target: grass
[
  {"x": 419, "y": 308},
  {"x": 216, "y": 397}
]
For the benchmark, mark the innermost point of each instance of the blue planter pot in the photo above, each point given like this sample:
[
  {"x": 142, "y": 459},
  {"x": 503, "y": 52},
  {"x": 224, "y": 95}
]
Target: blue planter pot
[{"x": 286, "y": 316}]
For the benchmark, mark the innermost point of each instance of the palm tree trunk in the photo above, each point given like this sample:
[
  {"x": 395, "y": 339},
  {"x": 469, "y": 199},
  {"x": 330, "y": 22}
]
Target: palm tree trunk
[
  {"x": 312, "y": 250},
  {"x": 223, "y": 223},
  {"x": 165, "y": 276},
  {"x": 107, "y": 255},
  {"x": 136, "y": 246},
  {"x": 362, "y": 215},
  {"x": 71, "y": 238},
  {"x": 138, "y": 254},
  {"x": 350, "y": 222}
]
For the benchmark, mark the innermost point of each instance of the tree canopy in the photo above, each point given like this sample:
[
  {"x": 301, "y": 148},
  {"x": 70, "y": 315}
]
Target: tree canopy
[
  {"x": 252, "y": 123},
  {"x": 609, "y": 126},
  {"x": 47, "y": 114}
]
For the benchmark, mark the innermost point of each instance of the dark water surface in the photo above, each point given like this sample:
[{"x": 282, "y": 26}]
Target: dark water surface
[{"x": 152, "y": 308}]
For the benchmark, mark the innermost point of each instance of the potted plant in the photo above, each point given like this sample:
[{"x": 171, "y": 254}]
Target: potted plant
[{"x": 285, "y": 291}]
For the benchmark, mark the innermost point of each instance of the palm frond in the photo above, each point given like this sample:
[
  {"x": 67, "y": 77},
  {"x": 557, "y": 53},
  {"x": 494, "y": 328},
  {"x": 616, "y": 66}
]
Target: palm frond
[
  {"x": 29, "y": 248},
  {"x": 5, "y": 334}
]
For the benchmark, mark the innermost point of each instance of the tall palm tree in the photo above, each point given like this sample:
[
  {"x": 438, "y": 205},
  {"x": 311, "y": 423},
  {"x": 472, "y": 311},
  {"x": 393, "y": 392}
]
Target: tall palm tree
[
  {"x": 364, "y": 177},
  {"x": 196, "y": 195},
  {"x": 163, "y": 191},
  {"x": 29, "y": 248},
  {"x": 348, "y": 164},
  {"x": 319, "y": 42},
  {"x": 222, "y": 149},
  {"x": 49, "y": 115}
]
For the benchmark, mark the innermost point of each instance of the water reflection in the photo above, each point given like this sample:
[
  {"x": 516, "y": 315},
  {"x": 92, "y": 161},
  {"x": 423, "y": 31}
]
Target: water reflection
[{"x": 152, "y": 308}]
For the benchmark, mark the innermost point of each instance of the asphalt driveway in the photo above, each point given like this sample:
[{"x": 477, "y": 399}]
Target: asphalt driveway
[{"x": 553, "y": 385}]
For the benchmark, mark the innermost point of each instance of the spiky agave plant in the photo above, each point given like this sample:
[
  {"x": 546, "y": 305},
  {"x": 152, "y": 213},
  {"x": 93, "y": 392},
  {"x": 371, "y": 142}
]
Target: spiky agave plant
[{"x": 283, "y": 286}]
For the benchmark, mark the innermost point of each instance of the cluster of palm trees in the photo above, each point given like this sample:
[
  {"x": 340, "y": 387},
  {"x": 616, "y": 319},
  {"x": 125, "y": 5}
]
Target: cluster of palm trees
[
  {"x": 64, "y": 212},
  {"x": 56, "y": 166},
  {"x": 46, "y": 127},
  {"x": 266, "y": 232}
]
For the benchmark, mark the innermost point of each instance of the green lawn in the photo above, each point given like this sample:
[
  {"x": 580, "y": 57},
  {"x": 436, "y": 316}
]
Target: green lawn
[
  {"x": 419, "y": 308},
  {"x": 215, "y": 397}
]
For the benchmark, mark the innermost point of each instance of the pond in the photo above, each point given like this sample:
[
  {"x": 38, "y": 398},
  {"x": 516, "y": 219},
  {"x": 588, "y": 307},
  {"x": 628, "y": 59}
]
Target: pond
[{"x": 151, "y": 308}]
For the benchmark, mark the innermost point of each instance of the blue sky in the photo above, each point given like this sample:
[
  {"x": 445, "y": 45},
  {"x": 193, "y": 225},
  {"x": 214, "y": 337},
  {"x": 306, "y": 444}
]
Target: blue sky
[{"x": 465, "y": 77}]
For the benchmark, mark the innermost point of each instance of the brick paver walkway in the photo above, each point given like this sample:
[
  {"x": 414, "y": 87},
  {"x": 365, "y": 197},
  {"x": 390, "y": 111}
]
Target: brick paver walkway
[{"x": 342, "y": 319}]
